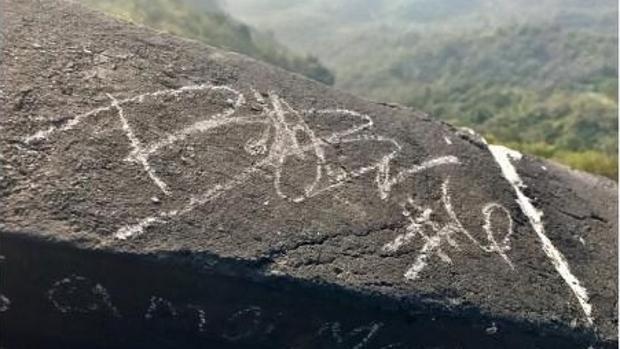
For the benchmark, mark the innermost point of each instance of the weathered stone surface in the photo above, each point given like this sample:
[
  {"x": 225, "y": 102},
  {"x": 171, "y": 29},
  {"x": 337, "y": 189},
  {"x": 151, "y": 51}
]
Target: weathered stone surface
[{"x": 158, "y": 192}]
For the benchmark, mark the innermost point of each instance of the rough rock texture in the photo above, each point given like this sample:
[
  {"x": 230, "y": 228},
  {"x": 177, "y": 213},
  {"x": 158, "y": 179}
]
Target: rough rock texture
[{"x": 156, "y": 192}]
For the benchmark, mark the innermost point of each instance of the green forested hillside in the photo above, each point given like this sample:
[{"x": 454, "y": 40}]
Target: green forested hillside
[
  {"x": 543, "y": 90},
  {"x": 204, "y": 20},
  {"x": 538, "y": 75}
]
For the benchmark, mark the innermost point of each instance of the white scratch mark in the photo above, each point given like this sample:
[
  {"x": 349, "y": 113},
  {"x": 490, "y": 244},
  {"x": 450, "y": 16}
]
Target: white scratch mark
[
  {"x": 135, "y": 144},
  {"x": 447, "y": 140},
  {"x": 368, "y": 123},
  {"x": 491, "y": 330},
  {"x": 286, "y": 144},
  {"x": 213, "y": 121},
  {"x": 503, "y": 157},
  {"x": 5, "y": 303},
  {"x": 76, "y": 120},
  {"x": 504, "y": 246},
  {"x": 421, "y": 261},
  {"x": 199, "y": 127},
  {"x": 371, "y": 330},
  {"x": 137, "y": 229},
  {"x": 404, "y": 174},
  {"x": 155, "y": 303},
  {"x": 422, "y": 221},
  {"x": 72, "y": 123},
  {"x": 582, "y": 240},
  {"x": 202, "y": 317},
  {"x": 335, "y": 331},
  {"x": 69, "y": 289}
]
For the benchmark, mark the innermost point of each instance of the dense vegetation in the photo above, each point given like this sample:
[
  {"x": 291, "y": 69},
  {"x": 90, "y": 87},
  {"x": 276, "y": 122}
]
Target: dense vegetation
[
  {"x": 537, "y": 75},
  {"x": 559, "y": 101},
  {"x": 205, "y": 21}
]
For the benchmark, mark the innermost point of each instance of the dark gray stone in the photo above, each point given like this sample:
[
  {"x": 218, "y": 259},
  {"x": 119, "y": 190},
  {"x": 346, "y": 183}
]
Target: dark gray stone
[{"x": 156, "y": 192}]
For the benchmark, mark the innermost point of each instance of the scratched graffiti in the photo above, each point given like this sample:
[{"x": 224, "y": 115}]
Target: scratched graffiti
[
  {"x": 160, "y": 307},
  {"x": 78, "y": 294},
  {"x": 437, "y": 237},
  {"x": 357, "y": 338},
  {"x": 287, "y": 138}
]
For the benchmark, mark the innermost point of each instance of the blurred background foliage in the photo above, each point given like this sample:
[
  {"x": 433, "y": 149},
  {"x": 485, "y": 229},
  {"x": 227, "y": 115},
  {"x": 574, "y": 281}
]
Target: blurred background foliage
[{"x": 537, "y": 75}]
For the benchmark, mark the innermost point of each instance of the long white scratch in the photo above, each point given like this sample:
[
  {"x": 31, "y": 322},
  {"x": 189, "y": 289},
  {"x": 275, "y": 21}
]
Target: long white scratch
[
  {"x": 43, "y": 134},
  {"x": 443, "y": 160},
  {"x": 219, "y": 189},
  {"x": 368, "y": 123},
  {"x": 198, "y": 127},
  {"x": 386, "y": 186},
  {"x": 76, "y": 120},
  {"x": 503, "y": 157},
  {"x": 137, "y": 229}
]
